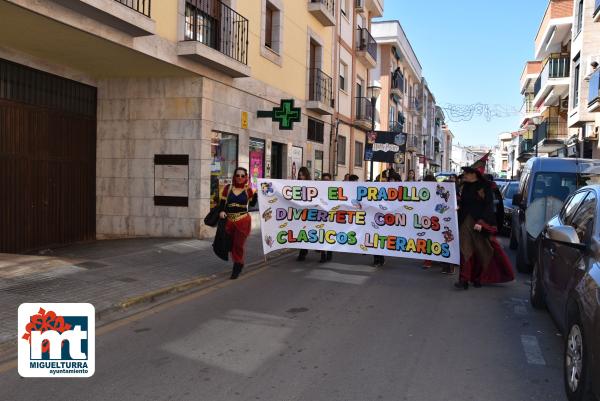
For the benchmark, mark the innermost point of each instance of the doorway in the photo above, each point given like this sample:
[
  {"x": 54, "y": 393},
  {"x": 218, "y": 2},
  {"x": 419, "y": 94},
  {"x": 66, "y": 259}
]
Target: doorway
[{"x": 277, "y": 160}]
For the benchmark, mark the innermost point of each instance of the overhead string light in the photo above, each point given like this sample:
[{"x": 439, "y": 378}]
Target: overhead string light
[{"x": 466, "y": 112}]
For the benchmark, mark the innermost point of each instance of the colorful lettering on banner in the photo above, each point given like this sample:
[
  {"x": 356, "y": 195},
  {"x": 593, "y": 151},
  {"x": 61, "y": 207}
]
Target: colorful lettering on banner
[{"x": 407, "y": 220}]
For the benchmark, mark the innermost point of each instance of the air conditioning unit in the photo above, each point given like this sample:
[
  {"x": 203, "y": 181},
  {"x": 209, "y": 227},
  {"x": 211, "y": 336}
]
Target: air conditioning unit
[
  {"x": 588, "y": 69},
  {"x": 564, "y": 104}
]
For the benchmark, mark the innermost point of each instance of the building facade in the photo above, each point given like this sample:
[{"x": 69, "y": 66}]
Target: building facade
[{"x": 136, "y": 128}]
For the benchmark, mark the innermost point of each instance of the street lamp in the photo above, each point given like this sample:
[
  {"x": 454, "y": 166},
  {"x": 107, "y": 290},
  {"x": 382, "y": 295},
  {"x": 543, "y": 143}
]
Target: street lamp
[{"x": 373, "y": 92}]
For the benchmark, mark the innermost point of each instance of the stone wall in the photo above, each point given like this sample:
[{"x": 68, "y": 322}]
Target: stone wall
[{"x": 138, "y": 118}]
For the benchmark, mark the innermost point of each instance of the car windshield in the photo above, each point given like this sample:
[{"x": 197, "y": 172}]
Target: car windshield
[
  {"x": 510, "y": 190},
  {"x": 556, "y": 185}
]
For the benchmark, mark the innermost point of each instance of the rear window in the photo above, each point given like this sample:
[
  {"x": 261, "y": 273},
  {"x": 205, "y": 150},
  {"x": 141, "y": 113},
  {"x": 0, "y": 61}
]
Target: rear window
[{"x": 556, "y": 185}]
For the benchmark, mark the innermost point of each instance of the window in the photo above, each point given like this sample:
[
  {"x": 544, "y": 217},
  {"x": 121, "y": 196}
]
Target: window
[
  {"x": 344, "y": 7},
  {"x": 556, "y": 185},
  {"x": 576, "y": 81},
  {"x": 341, "y": 150},
  {"x": 318, "y": 172},
  {"x": 583, "y": 221},
  {"x": 343, "y": 75},
  {"x": 224, "y": 155},
  {"x": 269, "y": 14},
  {"x": 358, "y": 154},
  {"x": 392, "y": 115},
  {"x": 359, "y": 87},
  {"x": 579, "y": 17},
  {"x": 200, "y": 26},
  {"x": 315, "y": 130}
]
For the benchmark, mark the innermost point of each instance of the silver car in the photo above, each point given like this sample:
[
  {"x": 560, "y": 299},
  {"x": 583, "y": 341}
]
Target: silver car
[{"x": 566, "y": 280}]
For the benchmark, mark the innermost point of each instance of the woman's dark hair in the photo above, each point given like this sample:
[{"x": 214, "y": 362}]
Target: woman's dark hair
[
  {"x": 429, "y": 178},
  {"x": 239, "y": 168},
  {"x": 326, "y": 175},
  {"x": 304, "y": 171},
  {"x": 409, "y": 171}
]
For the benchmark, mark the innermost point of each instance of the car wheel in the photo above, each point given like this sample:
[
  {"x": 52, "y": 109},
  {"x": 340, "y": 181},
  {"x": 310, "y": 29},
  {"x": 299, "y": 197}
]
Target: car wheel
[
  {"x": 522, "y": 264},
  {"x": 513, "y": 240},
  {"x": 577, "y": 375},
  {"x": 536, "y": 289}
]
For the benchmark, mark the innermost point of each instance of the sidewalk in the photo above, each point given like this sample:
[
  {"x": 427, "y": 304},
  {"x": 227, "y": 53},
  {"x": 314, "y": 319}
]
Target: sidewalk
[{"x": 109, "y": 274}]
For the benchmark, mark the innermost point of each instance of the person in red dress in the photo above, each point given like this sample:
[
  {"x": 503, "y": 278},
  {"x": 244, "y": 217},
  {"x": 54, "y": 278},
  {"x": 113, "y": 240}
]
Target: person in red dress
[
  {"x": 234, "y": 207},
  {"x": 482, "y": 259}
]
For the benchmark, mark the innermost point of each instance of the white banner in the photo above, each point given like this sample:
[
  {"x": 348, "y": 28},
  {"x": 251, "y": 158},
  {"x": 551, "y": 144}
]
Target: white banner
[{"x": 415, "y": 220}]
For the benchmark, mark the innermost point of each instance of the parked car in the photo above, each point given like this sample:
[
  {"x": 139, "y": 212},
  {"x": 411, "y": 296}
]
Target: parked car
[
  {"x": 566, "y": 280},
  {"x": 508, "y": 191},
  {"x": 545, "y": 184}
]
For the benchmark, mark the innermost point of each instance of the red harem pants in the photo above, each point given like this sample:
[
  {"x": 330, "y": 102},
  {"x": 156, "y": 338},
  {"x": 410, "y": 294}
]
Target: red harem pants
[{"x": 238, "y": 231}]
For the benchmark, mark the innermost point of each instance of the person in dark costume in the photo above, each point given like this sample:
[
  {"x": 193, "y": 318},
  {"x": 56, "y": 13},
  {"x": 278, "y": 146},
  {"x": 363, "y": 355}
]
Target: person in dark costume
[
  {"x": 234, "y": 203},
  {"x": 498, "y": 202},
  {"x": 303, "y": 175},
  {"x": 482, "y": 259}
]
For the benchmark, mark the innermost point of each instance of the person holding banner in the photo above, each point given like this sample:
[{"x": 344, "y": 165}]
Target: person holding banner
[
  {"x": 482, "y": 259},
  {"x": 326, "y": 256},
  {"x": 303, "y": 175},
  {"x": 411, "y": 177},
  {"x": 234, "y": 207}
]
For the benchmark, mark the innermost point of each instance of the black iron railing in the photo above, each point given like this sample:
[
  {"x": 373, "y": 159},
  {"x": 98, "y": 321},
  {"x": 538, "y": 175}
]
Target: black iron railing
[
  {"x": 396, "y": 126},
  {"x": 320, "y": 86},
  {"x": 141, "y": 6},
  {"x": 216, "y": 25},
  {"x": 398, "y": 81},
  {"x": 329, "y": 4},
  {"x": 557, "y": 66},
  {"x": 554, "y": 128},
  {"x": 594, "y": 93},
  {"x": 365, "y": 42},
  {"x": 525, "y": 146},
  {"x": 528, "y": 105},
  {"x": 364, "y": 109}
]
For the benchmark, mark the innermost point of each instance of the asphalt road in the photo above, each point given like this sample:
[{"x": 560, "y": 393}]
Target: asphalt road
[{"x": 338, "y": 331}]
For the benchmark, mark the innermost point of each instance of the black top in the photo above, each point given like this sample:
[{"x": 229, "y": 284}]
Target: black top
[
  {"x": 477, "y": 201},
  {"x": 236, "y": 204}
]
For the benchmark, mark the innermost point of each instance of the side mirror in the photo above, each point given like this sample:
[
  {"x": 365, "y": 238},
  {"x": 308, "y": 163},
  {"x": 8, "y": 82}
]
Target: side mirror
[
  {"x": 517, "y": 199},
  {"x": 565, "y": 234}
]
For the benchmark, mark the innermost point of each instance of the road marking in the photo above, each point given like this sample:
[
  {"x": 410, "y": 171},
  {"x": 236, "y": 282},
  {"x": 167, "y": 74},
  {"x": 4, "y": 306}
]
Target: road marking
[
  {"x": 328, "y": 275},
  {"x": 533, "y": 353}
]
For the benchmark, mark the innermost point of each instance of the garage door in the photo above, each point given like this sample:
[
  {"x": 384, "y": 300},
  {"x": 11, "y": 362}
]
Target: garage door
[{"x": 47, "y": 159}]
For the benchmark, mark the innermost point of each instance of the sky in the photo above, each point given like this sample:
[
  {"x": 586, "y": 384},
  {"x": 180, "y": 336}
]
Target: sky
[{"x": 472, "y": 51}]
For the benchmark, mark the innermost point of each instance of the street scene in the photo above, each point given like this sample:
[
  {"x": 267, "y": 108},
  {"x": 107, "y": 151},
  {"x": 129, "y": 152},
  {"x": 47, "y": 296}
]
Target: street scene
[{"x": 300, "y": 200}]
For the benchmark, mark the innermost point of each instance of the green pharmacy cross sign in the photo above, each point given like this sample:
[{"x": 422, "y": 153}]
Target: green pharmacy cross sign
[{"x": 286, "y": 114}]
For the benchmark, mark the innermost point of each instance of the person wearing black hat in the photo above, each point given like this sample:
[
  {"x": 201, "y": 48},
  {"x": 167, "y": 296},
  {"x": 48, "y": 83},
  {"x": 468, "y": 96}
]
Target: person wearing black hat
[{"x": 482, "y": 259}]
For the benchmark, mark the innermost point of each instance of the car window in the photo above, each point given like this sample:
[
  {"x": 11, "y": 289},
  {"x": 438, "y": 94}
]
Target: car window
[
  {"x": 556, "y": 185},
  {"x": 524, "y": 184},
  {"x": 570, "y": 208},
  {"x": 510, "y": 190},
  {"x": 583, "y": 221}
]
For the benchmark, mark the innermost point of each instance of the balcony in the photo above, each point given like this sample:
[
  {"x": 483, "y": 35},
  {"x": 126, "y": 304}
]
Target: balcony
[
  {"x": 553, "y": 82},
  {"x": 397, "y": 88},
  {"x": 530, "y": 73},
  {"x": 550, "y": 135},
  {"x": 364, "y": 113},
  {"x": 366, "y": 47},
  {"x": 395, "y": 126},
  {"x": 597, "y": 11},
  {"x": 320, "y": 89},
  {"x": 555, "y": 28},
  {"x": 412, "y": 143},
  {"x": 594, "y": 93},
  {"x": 415, "y": 106},
  {"x": 217, "y": 36},
  {"x": 323, "y": 10},
  {"x": 129, "y": 16}
]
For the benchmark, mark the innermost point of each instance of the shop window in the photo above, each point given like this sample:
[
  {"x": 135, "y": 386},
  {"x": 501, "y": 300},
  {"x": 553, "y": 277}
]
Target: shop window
[
  {"x": 224, "y": 156},
  {"x": 318, "y": 173}
]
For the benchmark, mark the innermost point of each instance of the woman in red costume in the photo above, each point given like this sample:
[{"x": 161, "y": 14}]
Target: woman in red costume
[
  {"x": 482, "y": 259},
  {"x": 234, "y": 207}
]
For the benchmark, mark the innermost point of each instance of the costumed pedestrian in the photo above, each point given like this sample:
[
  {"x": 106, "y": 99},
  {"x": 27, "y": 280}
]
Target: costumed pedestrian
[
  {"x": 482, "y": 259},
  {"x": 234, "y": 202},
  {"x": 498, "y": 202},
  {"x": 303, "y": 175}
]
